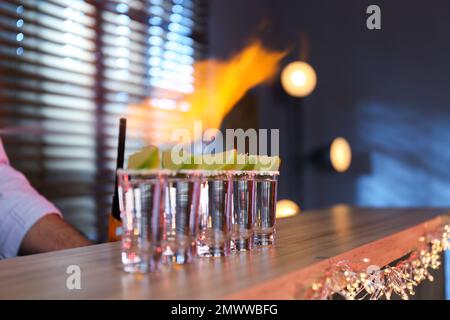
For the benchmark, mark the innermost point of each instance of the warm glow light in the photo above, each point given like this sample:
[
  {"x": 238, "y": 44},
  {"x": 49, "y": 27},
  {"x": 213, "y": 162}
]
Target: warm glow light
[
  {"x": 287, "y": 208},
  {"x": 218, "y": 86},
  {"x": 340, "y": 154},
  {"x": 298, "y": 79}
]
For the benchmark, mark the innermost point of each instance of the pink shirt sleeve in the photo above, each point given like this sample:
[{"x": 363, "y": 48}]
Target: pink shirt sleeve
[
  {"x": 3, "y": 157},
  {"x": 21, "y": 206}
]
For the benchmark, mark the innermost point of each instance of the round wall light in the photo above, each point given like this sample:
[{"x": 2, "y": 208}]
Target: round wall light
[
  {"x": 340, "y": 154},
  {"x": 298, "y": 79},
  {"x": 287, "y": 208}
]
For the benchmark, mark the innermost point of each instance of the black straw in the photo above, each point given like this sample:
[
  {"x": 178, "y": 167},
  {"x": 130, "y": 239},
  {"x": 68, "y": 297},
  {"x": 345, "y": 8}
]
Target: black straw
[{"x": 120, "y": 162}]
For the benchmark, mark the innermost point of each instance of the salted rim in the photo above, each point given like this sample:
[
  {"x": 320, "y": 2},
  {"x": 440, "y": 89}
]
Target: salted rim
[
  {"x": 255, "y": 172},
  {"x": 143, "y": 171},
  {"x": 195, "y": 171}
]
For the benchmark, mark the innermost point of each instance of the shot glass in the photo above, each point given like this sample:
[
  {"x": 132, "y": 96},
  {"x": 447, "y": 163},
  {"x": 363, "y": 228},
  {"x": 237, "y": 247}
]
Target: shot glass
[
  {"x": 266, "y": 200},
  {"x": 243, "y": 210},
  {"x": 215, "y": 215},
  {"x": 141, "y": 200},
  {"x": 181, "y": 217}
]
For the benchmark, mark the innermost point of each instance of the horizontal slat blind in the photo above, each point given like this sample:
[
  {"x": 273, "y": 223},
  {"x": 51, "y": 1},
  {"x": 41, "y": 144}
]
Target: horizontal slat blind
[
  {"x": 148, "y": 49},
  {"x": 47, "y": 92},
  {"x": 69, "y": 69}
]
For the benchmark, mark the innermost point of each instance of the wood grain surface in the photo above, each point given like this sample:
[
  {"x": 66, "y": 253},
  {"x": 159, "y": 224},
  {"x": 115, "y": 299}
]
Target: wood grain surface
[{"x": 306, "y": 245}]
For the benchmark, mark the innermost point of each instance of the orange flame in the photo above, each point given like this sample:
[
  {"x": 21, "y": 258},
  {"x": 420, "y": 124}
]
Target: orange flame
[{"x": 219, "y": 85}]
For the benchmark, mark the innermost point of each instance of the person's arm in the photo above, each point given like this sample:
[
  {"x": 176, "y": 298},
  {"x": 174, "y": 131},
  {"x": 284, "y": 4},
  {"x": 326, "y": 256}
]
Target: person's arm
[
  {"x": 51, "y": 233},
  {"x": 29, "y": 223}
]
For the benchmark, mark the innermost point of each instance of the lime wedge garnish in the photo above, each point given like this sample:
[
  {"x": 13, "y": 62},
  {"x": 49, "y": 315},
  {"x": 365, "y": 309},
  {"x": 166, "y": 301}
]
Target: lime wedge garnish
[
  {"x": 266, "y": 163},
  {"x": 262, "y": 163},
  {"x": 236, "y": 161},
  {"x": 187, "y": 163},
  {"x": 228, "y": 160},
  {"x": 219, "y": 161},
  {"x": 146, "y": 158},
  {"x": 250, "y": 162},
  {"x": 194, "y": 162},
  {"x": 167, "y": 162}
]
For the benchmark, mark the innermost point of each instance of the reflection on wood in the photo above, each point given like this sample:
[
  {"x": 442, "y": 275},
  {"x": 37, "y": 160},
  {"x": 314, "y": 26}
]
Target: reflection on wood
[{"x": 307, "y": 244}]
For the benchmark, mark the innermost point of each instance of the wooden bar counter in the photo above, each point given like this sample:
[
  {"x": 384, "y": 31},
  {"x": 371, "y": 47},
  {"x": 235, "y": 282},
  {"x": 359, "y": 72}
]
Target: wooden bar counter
[{"x": 307, "y": 245}]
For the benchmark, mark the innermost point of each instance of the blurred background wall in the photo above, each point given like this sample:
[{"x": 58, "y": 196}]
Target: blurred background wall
[
  {"x": 385, "y": 91},
  {"x": 69, "y": 69}
]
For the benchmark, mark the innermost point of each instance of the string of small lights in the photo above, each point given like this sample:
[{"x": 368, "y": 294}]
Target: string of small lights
[{"x": 361, "y": 280}]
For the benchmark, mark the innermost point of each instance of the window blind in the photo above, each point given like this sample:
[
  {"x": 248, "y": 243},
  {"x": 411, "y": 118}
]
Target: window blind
[{"x": 69, "y": 69}]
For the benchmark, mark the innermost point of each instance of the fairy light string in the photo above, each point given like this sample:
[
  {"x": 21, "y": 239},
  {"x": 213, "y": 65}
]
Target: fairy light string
[{"x": 361, "y": 280}]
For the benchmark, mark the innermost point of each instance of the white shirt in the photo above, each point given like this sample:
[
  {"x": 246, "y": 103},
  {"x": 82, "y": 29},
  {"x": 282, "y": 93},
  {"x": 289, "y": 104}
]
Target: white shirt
[{"x": 20, "y": 207}]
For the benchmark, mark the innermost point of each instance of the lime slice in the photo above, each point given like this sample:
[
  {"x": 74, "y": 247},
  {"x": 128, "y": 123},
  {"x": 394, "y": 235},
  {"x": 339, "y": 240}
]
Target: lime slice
[
  {"x": 266, "y": 163},
  {"x": 194, "y": 162},
  {"x": 249, "y": 162},
  {"x": 219, "y": 161},
  {"x": 235, "y": 161},
  {"x": 146, "y": 158},
  {"x": 191, "y": 161},
  {"x": 262, "y": 163},
  {"x": 167, "y": 161},
  {"x": 228, "y": 160}
]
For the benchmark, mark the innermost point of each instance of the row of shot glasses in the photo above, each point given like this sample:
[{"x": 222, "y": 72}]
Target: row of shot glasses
[{"x": 173, "y": 216}]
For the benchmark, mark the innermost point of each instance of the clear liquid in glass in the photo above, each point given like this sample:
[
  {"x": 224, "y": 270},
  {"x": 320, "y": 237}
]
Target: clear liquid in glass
[
  {"x": 243, "y": 216},
  {"x": 266, "y": 200},
  {"x": 215, "y": 216},
  {"x": 181, "y": 218},
  {"x": 141, "y": 203}
]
